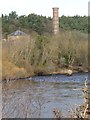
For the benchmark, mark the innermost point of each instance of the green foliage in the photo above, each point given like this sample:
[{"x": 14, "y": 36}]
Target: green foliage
[
  {"x": 41, "y": 24},
  {"x": 32, "y": 22},
  {"x": 76, "y": 22}
]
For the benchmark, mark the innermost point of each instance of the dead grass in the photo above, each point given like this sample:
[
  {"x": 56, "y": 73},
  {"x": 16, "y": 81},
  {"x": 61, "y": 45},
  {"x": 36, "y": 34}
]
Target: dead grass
[
  {"x": 46, "y": 54},
  {"x": 10, "y": 71}
]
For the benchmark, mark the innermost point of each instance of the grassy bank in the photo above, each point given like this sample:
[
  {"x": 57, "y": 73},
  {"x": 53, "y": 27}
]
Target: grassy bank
[{"x": 45, "y": 54}]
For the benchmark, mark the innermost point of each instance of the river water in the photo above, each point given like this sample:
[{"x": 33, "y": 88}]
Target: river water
[{"x": 36, "y": 97}]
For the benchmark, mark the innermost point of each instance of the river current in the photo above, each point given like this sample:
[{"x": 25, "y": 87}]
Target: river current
[{"x": 36, "y": 97}]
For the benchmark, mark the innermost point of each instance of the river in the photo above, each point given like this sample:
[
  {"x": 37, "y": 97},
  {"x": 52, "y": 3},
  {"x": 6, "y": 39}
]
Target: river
[{"x": 36, "y": 97}]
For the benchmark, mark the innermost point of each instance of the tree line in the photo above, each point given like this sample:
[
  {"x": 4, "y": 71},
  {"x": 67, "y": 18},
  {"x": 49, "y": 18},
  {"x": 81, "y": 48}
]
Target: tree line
[{"x": 41, "y": 24}]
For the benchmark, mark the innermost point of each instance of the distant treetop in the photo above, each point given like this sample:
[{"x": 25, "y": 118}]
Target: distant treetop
[{"x": 41, "y": 24}]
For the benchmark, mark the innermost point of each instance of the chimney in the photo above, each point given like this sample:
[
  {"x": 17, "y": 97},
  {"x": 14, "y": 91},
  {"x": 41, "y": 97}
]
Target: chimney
[{"x": 55, "y": 20}]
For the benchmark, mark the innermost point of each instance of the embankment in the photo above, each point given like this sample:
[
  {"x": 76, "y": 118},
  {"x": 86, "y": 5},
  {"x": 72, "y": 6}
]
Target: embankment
[{"x": 42, "y": 55}]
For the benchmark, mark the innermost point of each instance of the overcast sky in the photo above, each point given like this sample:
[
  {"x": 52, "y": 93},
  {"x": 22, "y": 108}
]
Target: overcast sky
[{"x": 44, "y": 7}]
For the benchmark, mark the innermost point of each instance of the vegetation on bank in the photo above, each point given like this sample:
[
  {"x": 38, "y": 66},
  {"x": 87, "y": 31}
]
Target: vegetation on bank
[{"x": 45, "y": 54}]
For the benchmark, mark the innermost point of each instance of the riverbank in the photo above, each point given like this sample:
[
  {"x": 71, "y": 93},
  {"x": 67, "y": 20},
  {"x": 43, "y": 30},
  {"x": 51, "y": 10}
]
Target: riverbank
[
  {"x": 64, "y": 53},
  {"x": 13, "y": 72}
]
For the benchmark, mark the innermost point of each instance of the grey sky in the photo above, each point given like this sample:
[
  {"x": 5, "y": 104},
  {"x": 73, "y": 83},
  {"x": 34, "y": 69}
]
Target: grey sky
[{"x": 44, "y": 7}]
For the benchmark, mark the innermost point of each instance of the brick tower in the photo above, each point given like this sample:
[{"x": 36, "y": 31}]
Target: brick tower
[{"x": 55, "y": 20}]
